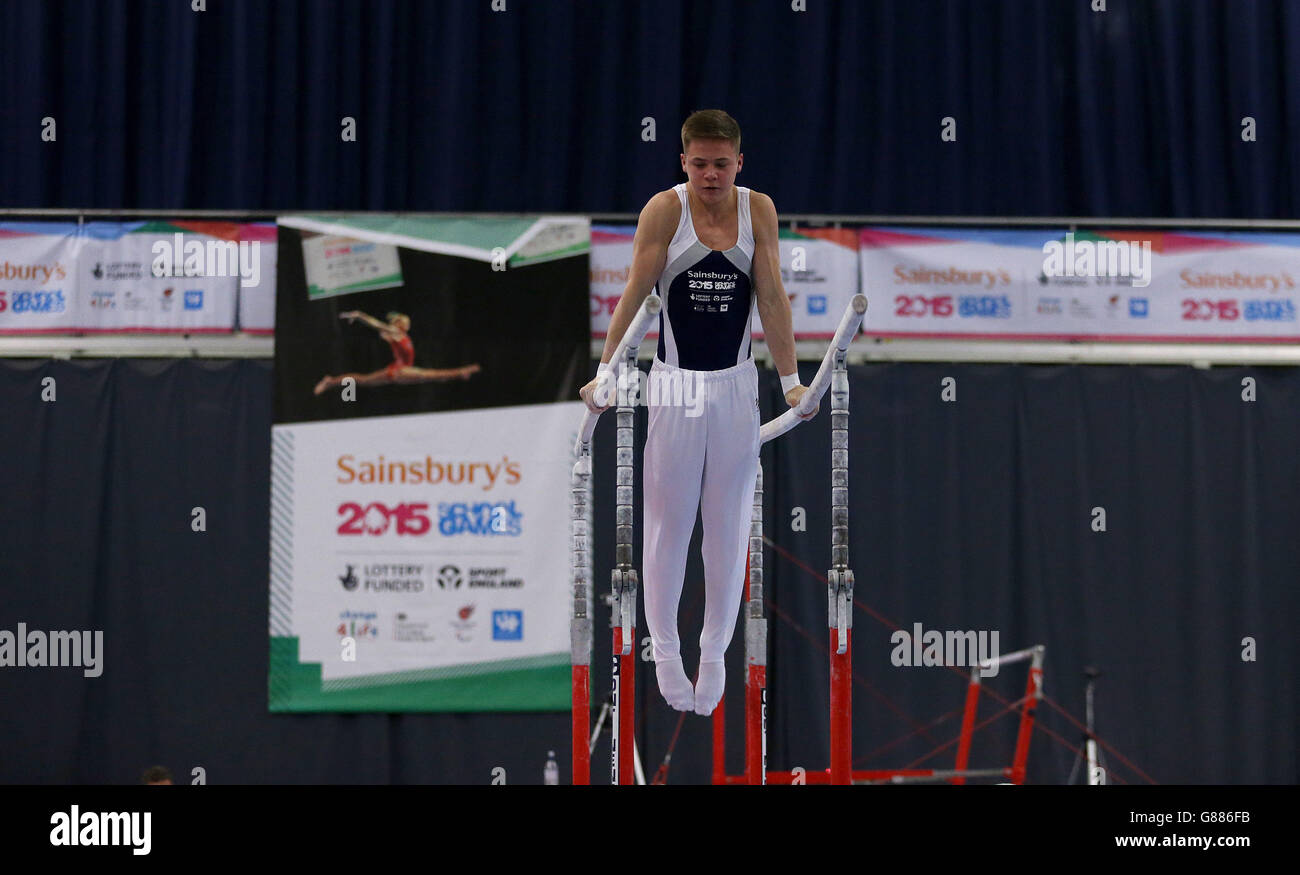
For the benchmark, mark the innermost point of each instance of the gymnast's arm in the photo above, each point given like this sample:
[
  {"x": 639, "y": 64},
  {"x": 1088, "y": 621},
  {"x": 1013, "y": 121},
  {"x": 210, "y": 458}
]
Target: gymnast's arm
[
  {"x": 654, "y": 231},
  {"x": 773, "y": 303},
  {"x": 353, "y": 315}
]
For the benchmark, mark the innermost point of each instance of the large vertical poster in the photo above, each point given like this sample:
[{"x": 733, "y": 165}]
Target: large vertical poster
[{"x": 425, "y": 374}]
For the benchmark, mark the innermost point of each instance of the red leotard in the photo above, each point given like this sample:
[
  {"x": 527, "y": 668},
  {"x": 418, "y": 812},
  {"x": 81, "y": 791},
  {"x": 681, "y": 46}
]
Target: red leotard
[{"x": 403, "y": 354}]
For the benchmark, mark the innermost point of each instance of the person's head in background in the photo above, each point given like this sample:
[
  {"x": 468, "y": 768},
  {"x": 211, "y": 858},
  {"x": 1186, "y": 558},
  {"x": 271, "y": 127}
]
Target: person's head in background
[{"x": 156, "y": 775}]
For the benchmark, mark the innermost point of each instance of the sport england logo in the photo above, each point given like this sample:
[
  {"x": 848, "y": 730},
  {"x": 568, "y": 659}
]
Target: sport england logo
[{"x": 449, "y": 577}]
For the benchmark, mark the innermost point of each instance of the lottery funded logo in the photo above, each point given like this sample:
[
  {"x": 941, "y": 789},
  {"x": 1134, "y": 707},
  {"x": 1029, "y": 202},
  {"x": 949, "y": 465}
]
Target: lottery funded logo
[{"x": 385, "y": 577}]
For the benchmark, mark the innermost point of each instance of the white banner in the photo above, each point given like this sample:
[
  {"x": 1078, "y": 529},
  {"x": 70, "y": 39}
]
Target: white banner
[
  {"x": 38, "y": 277},
  {"x": 1081, "y": 285},
  {"x": 257, "y": 302},
  {"x": 819, "y": 269},
  {"x": 159, "y": 277},
  {"x": 435, "y": 546},
  {"x": 611, "y": 261}
]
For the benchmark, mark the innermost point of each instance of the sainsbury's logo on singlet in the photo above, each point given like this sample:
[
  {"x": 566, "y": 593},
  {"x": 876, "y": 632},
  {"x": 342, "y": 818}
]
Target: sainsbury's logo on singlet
[{"x": 711, "y": 291}]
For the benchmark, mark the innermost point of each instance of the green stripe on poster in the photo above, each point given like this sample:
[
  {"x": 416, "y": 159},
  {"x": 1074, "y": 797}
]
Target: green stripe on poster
[
  {"x": 370, "y": 285},
  {"x": 534, "y": 684},
  {"x": 575, "y": 249},
  {"x": 484, "y": 232}
]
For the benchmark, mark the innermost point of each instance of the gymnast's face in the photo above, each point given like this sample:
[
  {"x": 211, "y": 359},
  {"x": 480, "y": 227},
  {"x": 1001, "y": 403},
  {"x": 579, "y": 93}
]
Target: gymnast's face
[{"x": 711, "y": 166}]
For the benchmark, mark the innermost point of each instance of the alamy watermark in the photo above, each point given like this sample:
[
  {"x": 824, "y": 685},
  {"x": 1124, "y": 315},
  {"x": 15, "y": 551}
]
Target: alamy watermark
[
  {"x": 930, "y": 647},
  {"x": 661, "y": 388},
  {"x": 37, "y": 649},
  {"x": 1098, "y": 258},
  {"x": 179, "y": 257},
  {"x": 75, "y": 828}
]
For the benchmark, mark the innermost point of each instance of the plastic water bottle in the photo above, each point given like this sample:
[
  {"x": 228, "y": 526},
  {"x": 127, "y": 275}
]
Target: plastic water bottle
[{"x": 551, "y": 774}]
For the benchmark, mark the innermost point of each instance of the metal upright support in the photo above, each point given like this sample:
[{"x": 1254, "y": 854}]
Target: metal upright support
[
  {"x": 967, "y": 724},
  {"x": 1033, "y": 695},
  {"x": 622, "y": 596},
  {"x": 1096, "y": 770},
  {"x": 840, "y": 581},
  {"x": 580, "y": 623},
  {"x": 624, "y": 580},
  {"x": 756, "y": 648}
]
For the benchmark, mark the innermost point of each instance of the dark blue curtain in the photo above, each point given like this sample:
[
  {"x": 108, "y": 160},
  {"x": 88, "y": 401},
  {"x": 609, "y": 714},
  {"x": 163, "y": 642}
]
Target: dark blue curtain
[
  {"x": 1059, "y": 110},
  {"x": 973, "y": 514}
]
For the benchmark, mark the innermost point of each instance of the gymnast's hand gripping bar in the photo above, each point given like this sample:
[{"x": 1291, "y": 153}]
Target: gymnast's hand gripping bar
[
  {"x": 645, "y": 315},
  {"x": 849, "y": 324}
]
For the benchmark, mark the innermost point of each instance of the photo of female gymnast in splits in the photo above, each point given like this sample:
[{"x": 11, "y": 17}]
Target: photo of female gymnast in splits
[{"x": 403, "y": 370}]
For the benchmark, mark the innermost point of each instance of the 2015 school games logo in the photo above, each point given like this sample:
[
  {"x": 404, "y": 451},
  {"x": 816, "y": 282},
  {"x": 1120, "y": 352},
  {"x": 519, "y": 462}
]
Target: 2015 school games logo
[
  {"x": 32, "y": 301},
  {"x": 485, "y": 518}
]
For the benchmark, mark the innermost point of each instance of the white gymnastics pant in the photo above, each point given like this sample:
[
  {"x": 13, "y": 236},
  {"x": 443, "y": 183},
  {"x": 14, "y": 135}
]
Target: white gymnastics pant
[{"x": 708, "y": 461}]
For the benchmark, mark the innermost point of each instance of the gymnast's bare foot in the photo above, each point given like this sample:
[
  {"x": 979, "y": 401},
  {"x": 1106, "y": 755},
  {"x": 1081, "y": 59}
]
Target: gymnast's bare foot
[
  {"x": 468, "y": 371},
  {"x": 322, "y": 386}
]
